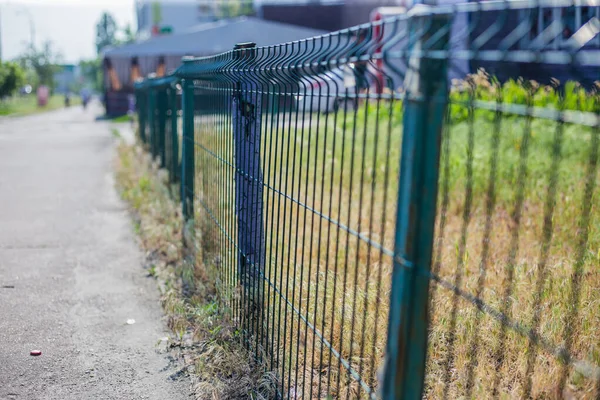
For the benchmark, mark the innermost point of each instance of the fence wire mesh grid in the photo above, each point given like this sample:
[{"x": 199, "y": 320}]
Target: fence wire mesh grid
[{"x": 310, "y": 174}]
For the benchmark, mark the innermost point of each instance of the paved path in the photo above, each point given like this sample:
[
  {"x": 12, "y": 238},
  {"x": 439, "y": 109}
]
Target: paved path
[{"x": 70, "y": 271}]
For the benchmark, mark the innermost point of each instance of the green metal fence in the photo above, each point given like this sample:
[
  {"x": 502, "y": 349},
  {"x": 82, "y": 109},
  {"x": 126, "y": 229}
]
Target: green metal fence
[
  {"x": 384, "y": 223},
  {"x": 158, "y": 105}
]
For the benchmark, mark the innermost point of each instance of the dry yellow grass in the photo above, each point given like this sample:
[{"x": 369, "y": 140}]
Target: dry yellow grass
[{"x": 220, "y": 367}]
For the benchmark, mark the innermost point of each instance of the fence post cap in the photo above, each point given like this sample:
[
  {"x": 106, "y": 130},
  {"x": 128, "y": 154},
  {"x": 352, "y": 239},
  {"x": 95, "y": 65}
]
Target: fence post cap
[{"x": 246, "y": 45}]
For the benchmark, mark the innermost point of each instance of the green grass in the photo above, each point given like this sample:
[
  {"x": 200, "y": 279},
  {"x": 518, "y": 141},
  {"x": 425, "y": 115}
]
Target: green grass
[
  {"x": 26, "y": 105},
  {"x": 460, "y": 259},
  {"x": 116, "y": 133},
  {"x": 121, "y": 119},
  {"x": 342, "y": 285}
]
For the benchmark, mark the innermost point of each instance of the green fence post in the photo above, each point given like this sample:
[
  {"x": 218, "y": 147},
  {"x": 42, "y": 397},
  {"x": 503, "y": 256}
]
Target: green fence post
[
  {"x": 152, "y": 121},
  {"x": 162, "y": 105},
  {"x": 142, "y": 111},
  {"x": 187, "y": 164},
  {"x": 425, "y": 104},
  {"x": 246, "y": 121},
  {"x": 174, "y": 157}
]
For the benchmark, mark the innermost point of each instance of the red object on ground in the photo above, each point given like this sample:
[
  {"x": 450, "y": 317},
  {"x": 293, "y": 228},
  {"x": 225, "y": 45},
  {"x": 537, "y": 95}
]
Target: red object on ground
[
  {"x": 35, "y": 353},
  {"x": 42, "y": 95}
]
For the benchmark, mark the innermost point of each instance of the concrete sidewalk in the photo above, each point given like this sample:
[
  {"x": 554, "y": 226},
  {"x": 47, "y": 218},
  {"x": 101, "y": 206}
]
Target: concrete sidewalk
[{"x": 70, "y": 270}]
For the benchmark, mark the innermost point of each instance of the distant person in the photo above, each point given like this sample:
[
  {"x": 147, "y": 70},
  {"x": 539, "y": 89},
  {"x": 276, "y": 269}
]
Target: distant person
[
  {"x": 85, "y": 97},
  {"x": 67, "y": 99}
]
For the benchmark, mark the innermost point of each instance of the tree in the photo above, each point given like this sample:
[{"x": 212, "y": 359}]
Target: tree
[
  {"x": 128, "y": 35},
  {"x": 234, "y": 8},
  {"x": 11, "y": 78},
  {"x": 106, "y": 32},
  {"x": 92, "y": 73},
  {"x": 43, "y": 63}
]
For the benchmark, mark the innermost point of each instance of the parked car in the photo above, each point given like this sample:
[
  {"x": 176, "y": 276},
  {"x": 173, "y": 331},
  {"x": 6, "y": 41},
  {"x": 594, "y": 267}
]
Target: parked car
[{"x": 328, "y": 92}]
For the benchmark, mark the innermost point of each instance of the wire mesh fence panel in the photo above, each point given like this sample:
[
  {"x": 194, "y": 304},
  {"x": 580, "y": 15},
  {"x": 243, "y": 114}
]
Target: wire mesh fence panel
[
  {"x": 514, "y": 292},
  {"x": 391, "y": 212},
  {"x": 297, "y": 162}
]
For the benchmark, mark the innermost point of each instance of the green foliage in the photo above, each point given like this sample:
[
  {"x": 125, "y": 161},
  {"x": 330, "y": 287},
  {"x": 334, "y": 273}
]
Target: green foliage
[
  {"x": 12, "y": 77},
  {"x": 109, "y": 34},
  {"x": 42, "y": 64},
  {"x": 234, "y": 8},
  {"x": 128, "y": 35},
  {"x": 480, "y": 86},
  {"x": 122, "y": 119},
  {"x": 26, "y": 105}
]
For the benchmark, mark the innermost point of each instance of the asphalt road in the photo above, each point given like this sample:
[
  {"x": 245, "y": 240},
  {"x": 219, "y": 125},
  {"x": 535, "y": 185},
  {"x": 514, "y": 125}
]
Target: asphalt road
[{"x": 70, "y": 271}]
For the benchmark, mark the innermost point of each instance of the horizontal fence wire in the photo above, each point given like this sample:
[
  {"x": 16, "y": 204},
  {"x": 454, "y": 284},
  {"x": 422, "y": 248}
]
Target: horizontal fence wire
[{"x": 297, "y": 155}]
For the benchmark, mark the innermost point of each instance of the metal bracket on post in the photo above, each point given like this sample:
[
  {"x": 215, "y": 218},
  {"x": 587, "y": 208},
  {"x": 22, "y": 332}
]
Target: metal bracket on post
[
  {"x": 188, "y": 159},
  {"x": 247, "y": 118},
  {"x": 424, "y": 111}
]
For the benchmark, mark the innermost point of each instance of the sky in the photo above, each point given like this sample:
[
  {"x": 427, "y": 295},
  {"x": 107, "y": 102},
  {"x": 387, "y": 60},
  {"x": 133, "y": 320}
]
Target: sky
[{"x": 69, "y": 24}]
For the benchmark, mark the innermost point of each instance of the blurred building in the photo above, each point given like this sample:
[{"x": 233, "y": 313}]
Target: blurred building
[
  {"x": 161, "y": 55},
  {"x": 330, "y": 15}
]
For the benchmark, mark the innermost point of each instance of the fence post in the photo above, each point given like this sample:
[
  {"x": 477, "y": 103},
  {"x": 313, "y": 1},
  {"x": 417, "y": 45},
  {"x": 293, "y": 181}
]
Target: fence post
[
  {"x": 142, "y": 111},
  {"x": 174, "y": 156},
  {"x": 247, "y": 118},
  {"x": 425, "y": 104},
  {"x": 152, "y": 121},
  {"x": 187, "y": 164},
  {"x": 162, "y": 104}
]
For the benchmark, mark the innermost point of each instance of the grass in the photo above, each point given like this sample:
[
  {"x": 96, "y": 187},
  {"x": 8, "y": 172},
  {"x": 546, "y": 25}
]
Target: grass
[
  {"x": 338, "y": 283},
  {"x": 533, "y": 260},
  {"x": 116, "y": 133},
  {"x": 537, "y": 269},
  {"x": 26, "y": 105},
  {"x": 221, "y": 368},
  {"x": 121, "y": 119}
]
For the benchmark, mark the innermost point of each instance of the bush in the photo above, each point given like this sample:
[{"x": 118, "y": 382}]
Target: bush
[
  {"x": 11, "y": 78},
  {"x": 481, "y": 86}
]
